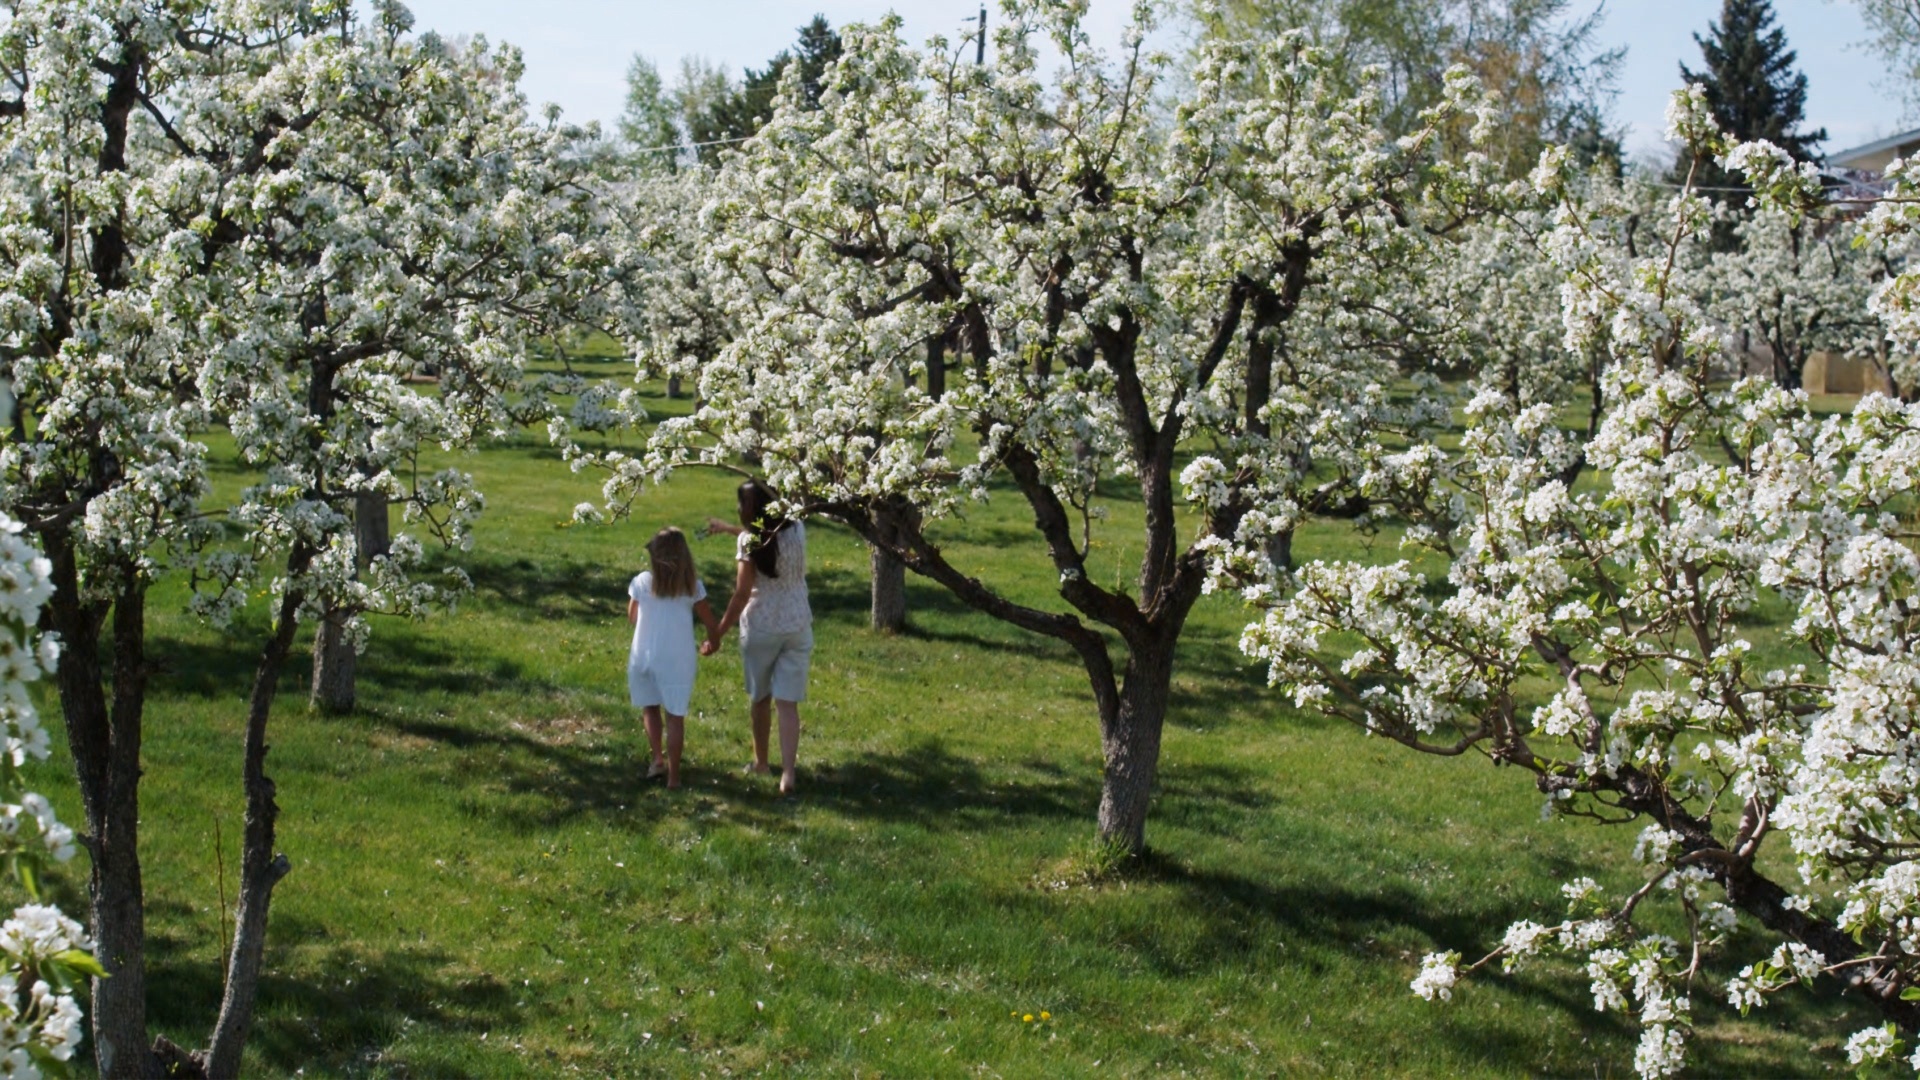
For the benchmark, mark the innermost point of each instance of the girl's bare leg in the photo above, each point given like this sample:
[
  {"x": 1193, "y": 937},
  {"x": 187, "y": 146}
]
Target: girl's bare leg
[
  {"x": 676, "y": 741},
  {"x": 789, "y": 742},
  {"x": 651, "y": 714},
  {"x": 761, "y": 713}
]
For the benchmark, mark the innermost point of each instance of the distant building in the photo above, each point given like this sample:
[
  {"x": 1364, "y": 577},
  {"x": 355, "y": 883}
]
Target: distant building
[
  {"x": 1875, "y": 156},
  {"x": 1859, "y": 173}
]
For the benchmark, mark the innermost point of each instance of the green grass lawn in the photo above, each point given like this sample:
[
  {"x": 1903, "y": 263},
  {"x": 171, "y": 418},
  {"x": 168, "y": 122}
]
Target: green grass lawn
[{"x": 483, "y": 884}]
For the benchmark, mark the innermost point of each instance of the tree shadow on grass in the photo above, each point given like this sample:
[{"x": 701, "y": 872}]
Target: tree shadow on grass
[
  {"x": 399, "y": 666},
  {"x": 926, "y": 784},
  {"x": 340, "y": 1027},
  {"x": 552, "y": 590},
  {"x": 940, "y": 791},
  {"x": 549, "y": 783},
  {"x": 1243, "y": 915}
]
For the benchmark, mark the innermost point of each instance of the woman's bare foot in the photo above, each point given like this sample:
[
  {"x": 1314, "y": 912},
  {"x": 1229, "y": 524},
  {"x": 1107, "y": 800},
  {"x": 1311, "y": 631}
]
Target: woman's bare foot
[
  {"x": 757, "y": 767},
  {"x": 657, "y": 770},
  {"x": 786, "y": 785}
]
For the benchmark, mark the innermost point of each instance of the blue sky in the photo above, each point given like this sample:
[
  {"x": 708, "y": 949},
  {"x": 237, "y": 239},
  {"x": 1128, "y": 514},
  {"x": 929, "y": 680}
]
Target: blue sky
[{"x": 577, "y": 50}]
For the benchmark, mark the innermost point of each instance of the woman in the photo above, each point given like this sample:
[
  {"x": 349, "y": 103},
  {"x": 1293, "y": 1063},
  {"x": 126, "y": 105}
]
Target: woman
[{"x": 776, "y": 625}]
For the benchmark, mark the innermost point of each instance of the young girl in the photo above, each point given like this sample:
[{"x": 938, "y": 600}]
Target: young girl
[{"x": 661, "y": 604}]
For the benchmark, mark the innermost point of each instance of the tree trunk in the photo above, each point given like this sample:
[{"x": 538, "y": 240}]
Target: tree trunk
[
  {"x": 1787, "y": 367},
  {"x": 1280, "y": 549},
  {"x": 335, "y": 663},
  {"x": 1130, "y": 745},
  {"x": 105, "y": 741},
  {"x": 891, "y": 518},
  {"x": 261, "y": 868},
  {"x": 889, "y": 591},
  {"x": 673, "y": 387}
]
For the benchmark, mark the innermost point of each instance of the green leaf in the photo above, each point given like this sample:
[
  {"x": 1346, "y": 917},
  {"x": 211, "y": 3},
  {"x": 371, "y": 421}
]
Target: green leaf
[
  {"x": 81, "y": 962},
  {"x": 1911, "y": 993},
  {"x": 29, "y": 876}
]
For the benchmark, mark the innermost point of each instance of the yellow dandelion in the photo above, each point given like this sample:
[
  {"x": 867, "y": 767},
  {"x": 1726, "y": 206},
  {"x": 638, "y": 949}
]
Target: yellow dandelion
[
  {"x": 1045, "y": 1015},
  {"x": 1027, "y": 1019},
  {"x": 1015, "y": 1014}
]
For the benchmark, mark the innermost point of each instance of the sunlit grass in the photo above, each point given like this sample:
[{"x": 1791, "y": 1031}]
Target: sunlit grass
[{"x": 485, "y": 886}]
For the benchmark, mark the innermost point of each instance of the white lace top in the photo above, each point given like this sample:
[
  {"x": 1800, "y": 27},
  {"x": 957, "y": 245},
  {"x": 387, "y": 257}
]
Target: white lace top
[{"x": 778, "y": 604}]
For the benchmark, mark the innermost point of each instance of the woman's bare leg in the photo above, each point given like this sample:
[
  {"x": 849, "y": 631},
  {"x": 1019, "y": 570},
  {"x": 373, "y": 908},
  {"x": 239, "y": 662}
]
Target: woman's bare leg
[
  {"x": 789, "y": 742},
  {"x": 762, "y": 714},
  {"x": 676, "y": 741}
]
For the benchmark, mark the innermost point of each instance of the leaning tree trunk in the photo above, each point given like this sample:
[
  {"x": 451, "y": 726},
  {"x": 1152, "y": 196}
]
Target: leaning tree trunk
[
  {"x": 261, "y": 868},
  {"x": 105, "y": 741},
  {"x": 335, "y": 663}
]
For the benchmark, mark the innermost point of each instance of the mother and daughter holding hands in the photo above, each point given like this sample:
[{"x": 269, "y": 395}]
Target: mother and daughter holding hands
[{"x": 769, "y": 604}]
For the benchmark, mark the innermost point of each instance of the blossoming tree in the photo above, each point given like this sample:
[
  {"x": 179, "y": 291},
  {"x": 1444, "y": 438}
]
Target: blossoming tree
[
  {"x": 949, "y": 274},
  {"x": 1636, "y": 598},
  {"x": 1798, "y": 285},
  {"x": 270, "y": 218},
  {"x": 43, "y": 953}
]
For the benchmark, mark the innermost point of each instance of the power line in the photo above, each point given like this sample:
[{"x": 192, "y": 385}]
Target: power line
[{"x": 689, "y": 146}]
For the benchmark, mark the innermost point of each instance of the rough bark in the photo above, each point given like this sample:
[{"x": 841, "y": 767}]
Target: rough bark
[
  {"x": 673, "y": 387},
  {"x": 1130, "y": 748},
  {"x": 1280, "y": 548},
  {"x": 887, "y": 527},
  {"x": 335, "y": 664},
  {"x": 889, "y": 609},
  {"x": 104, "y": 737},
  {"x": 261, "y": 868}
]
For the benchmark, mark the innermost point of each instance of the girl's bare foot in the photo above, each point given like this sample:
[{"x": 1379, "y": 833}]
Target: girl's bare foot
[
  {"x": 656, "y": 770},
  {"x": 786, "y": 785},
  {"x": 759, "y": 767}
]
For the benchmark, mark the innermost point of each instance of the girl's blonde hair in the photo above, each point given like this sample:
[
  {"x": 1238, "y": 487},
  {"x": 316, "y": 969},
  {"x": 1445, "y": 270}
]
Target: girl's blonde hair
[{"x": 672, "y": 563}]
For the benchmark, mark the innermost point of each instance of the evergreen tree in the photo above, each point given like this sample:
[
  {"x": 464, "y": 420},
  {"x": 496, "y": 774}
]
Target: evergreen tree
[
  {"x": 1753, "y": 89},
  {"x": 706, "y": 110},
  {"x": 740, "y": 113}
]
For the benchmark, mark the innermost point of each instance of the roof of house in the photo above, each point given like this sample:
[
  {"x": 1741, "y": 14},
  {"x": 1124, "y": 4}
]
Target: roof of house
[{"x": 1876, "y": 156}]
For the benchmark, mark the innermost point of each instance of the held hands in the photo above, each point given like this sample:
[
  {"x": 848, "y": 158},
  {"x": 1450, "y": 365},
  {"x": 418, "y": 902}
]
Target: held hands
[{"x": 709, "y": 647}]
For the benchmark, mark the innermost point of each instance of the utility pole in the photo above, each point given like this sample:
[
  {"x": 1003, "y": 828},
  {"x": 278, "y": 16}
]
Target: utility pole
[{"x": 980, "y": 51}]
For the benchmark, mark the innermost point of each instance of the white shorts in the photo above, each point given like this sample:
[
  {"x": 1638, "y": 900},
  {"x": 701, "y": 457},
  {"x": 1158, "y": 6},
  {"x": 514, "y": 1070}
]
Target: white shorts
[
  {"x": 645, "y": 690},
  {"x": 776, "y": 664}
]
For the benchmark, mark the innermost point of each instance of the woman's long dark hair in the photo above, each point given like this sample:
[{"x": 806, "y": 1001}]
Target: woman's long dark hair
[{"x": 754, "y": 498}]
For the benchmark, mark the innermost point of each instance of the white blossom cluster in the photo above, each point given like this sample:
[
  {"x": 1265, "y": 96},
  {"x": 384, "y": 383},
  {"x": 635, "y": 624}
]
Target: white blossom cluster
[
  {"x": 1797, "y": 285},
  {"x": 1634, "y": 591},
  {"x": 946, "y": 271},
  {"x": 42, "y": 951},
  {"x": 341, "y": 247},
  {"x": 302, "y": 231}
]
